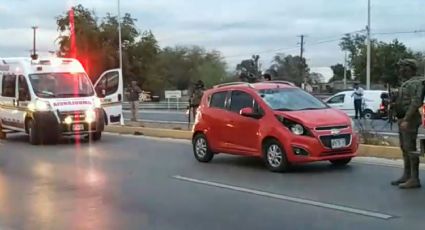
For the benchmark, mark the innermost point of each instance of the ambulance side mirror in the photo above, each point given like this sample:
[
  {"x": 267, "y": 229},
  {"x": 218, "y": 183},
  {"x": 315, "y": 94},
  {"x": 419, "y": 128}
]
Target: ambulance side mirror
[{"x": 100, "y": 91}]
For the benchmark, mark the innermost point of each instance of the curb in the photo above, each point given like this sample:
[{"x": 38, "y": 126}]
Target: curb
[{"x": 364, "y": 150}]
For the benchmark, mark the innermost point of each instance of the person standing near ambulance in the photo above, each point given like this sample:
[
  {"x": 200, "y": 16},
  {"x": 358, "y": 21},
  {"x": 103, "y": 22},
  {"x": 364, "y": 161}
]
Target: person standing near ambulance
[{"x": 135, "y": 91}]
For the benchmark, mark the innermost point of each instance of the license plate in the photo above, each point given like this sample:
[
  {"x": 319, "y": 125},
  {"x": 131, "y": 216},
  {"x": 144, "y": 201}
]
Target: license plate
[
  {"x": 78, "y": 127},
  {"x": 338, "y": 143}
]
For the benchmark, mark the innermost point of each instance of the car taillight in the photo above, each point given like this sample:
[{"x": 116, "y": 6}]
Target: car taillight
[{"x": 382, "y": 107}]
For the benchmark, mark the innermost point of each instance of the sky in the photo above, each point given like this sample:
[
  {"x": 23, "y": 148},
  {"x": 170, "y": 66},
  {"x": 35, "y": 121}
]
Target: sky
[{"x": 236, "y": 28}]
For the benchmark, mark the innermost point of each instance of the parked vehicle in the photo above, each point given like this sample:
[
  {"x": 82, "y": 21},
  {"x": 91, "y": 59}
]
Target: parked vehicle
[
  {"x": 372, "y": 102},
  {"x": 275, "y": 121},
  {"x": 50, "y": 98}
]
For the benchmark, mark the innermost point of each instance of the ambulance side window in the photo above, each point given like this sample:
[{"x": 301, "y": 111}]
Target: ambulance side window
[
  {"x": 109, "y": 83},
  {"x": 9, "y": 86},
  {"x": 24, "y": 94}
]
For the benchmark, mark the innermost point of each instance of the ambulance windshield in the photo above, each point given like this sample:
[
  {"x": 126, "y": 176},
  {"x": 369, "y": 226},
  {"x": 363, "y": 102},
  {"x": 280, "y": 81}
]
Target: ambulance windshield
[{"x": 61, "y": 85}]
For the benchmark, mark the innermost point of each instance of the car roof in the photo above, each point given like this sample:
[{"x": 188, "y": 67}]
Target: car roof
[{"x": 254, "y": 86}]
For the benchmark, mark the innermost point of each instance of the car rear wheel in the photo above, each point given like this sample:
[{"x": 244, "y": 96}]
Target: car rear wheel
[
  {"x": 368, "y": 114},
  {"x": 340, "y": 162},
  {"x": 275, "y": 156},
  {"x": 201, "y": 149}
]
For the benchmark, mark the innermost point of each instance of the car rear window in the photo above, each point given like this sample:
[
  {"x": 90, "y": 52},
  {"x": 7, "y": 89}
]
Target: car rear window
[{"x": 218, "y": 100}]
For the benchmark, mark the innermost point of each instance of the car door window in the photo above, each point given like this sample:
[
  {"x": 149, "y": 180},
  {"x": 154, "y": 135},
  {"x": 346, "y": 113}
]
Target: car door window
[
  {"x": 9, "y": 86},
  {"x": 218, "y": 100},
  {"x": 339, "y": 99},
  {"x": 240, "y": 100},
  {"x": 24, "y": 94}
]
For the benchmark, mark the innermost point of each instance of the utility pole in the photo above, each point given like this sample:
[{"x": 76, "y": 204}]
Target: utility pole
[
  {"x": 345, "y": 71},
  {"x": 119, "y": 35},
  {"x": 368, "y": 47},
  {"x": 34, "y": 55},
  {"x": 301, "y": 60}
]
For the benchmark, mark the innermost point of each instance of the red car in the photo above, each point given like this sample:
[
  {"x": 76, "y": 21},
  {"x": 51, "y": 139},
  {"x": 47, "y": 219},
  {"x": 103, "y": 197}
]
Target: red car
[{"x": 275, "y": 121}]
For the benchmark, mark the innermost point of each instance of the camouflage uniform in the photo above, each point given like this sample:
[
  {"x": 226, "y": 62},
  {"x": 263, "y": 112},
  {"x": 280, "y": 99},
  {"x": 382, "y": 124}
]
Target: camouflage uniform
[
  {"x": 196, "y": 97},
  {"x": 407, "y": 104}
]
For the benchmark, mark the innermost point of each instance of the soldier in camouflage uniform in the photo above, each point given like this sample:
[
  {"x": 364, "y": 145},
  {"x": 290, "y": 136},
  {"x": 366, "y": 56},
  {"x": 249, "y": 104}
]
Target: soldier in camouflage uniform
[
  {"x": 196, "y": 96},
  {"x": 406, "y": 107}
]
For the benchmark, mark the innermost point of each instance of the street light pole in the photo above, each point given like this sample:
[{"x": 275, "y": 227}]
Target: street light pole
[
  {"x": 119, "y": 35},
  {"x": 34, "y": 55},
  {"x": 345, "y": 71},
  {"x": 368, "y": 47}
]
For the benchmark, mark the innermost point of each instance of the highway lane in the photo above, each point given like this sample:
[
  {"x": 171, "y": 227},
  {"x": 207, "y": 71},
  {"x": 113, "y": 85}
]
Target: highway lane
[{"x": 126, "y": 182}]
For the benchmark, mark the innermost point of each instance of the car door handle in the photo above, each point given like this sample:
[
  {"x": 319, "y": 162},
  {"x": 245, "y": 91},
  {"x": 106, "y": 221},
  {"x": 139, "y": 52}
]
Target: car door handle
[{"x": 119, "y": 97}]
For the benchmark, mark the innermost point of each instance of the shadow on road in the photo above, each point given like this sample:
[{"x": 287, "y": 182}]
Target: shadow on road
[
  {"x": 256, "y": 163},
  {"x": 21, "y": 138}
]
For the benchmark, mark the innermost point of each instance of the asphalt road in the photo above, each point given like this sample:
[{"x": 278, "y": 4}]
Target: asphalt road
[
  {"x": 128, "y": 182},
  {"x": 179, "y": 117}
]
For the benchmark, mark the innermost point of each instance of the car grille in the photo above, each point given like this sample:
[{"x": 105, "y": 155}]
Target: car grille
[
  {"x": 326, "y": 140},
  {"x": 331, "y": 127},
  {"x": 75, "y": 115}
]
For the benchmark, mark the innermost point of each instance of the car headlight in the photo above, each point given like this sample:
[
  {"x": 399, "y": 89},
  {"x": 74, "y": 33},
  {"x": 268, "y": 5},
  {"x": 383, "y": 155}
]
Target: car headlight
[
  {"x": 97, "y": 103},
  {"x": 90, "y": 116},
  {"x": 294, "y": 127},
  {"x": 297, "y": 129},
  {"x": 39, "y": 105}
]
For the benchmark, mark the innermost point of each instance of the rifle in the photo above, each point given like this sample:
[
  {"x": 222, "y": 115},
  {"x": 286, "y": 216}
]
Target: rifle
[{"x": 189, "y": 107}]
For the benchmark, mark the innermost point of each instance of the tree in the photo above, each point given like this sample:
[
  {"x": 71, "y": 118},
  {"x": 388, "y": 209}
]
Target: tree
[
  {"x": 384, "y": 58},
  {"x": 290, "y": 68},
  {"x": 315, "y": 78},
  {"x": 249, "y": 69},
  {"x": 338, "y": 73},
  {"x": 144, "y": 61}
]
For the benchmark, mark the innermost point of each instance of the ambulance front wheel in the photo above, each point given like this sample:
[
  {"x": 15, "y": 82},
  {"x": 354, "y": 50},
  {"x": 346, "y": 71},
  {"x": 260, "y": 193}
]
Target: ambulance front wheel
[
  {"x": 96, "y": 136},
  {"x": 34, "y": 135}
]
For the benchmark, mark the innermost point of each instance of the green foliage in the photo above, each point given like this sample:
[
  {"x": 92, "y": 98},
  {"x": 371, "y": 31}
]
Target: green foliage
[
  {"x": 384, "y": 58},
  {"x": 144, "y": 61},
  {"x": 290, "y": 68},
  {"x": 338, "y": 73}
]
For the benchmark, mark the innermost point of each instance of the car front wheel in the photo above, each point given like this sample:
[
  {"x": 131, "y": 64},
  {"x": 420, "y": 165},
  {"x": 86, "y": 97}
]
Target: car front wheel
[
  {"x": 201, "y": 149},
  {"x": 275, "y": 156}
]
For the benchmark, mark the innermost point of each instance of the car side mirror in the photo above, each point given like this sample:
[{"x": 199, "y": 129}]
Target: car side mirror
[
  {"x": 249, "y": 112},
  {"x": 101, "y": 93}
]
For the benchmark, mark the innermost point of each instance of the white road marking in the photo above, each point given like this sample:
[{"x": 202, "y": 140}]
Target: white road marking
[{"x": 289, "y": 198}]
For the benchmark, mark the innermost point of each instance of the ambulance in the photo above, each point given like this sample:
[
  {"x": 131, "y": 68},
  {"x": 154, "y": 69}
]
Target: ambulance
[{"x": 53, "y": 97}]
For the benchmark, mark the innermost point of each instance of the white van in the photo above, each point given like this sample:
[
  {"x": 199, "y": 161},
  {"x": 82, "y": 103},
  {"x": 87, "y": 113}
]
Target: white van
[
  {"x": 54, "y": 97},
  {"x": 371, "y": 102}
]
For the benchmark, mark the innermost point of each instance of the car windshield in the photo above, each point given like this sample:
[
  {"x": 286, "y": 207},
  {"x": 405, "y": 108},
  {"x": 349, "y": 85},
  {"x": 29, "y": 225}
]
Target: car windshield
[
  {"x": 292, "y": 99},
  {"x": 60, "y": 85}
]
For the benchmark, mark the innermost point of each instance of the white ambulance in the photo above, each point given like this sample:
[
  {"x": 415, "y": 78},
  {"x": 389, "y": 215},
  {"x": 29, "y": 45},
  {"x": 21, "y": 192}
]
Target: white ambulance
[{"x": 53, "y": 97}]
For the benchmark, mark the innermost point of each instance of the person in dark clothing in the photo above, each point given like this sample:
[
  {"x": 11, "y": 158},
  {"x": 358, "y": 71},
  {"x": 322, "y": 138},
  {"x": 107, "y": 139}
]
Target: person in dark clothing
[
  {"x": 358, "y": 101},
  {"x": 135, "y": 91},
  {"x": 267, "y": 77},
  {"x": 196, "y": 96}
]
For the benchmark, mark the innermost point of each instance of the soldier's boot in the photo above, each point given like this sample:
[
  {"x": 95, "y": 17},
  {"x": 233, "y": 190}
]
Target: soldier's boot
[
  {"x": 414, "y": 181},
  {"x": 406, "y": 172}
]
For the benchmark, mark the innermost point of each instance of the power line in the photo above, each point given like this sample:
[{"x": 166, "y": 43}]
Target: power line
[
  {"x": 400, "y": 32},
  {"x": 320, "y": 41}
]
